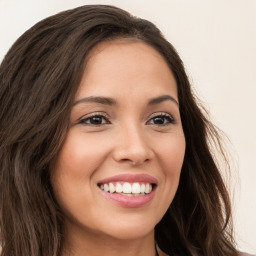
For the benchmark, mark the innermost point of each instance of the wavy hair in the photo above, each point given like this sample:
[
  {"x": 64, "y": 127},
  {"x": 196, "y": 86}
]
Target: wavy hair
[{"x": 39, "y": 77}]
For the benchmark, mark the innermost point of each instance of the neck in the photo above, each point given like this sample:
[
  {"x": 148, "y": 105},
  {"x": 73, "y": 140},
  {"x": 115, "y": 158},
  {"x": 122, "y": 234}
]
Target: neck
[{"x": 94, "y": 244}]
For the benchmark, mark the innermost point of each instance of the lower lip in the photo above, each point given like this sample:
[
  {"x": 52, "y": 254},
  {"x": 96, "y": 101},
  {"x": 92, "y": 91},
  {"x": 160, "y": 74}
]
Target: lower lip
[{"x": 129, "y": 201}]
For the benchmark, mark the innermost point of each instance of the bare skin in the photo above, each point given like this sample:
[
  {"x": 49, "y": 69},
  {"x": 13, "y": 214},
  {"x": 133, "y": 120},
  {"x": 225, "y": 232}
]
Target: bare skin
[{"x": 125, "y": 120}]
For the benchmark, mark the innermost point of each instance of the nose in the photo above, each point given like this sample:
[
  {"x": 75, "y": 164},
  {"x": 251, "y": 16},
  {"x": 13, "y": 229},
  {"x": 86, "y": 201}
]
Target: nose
[{"x": 132, "y": 146}]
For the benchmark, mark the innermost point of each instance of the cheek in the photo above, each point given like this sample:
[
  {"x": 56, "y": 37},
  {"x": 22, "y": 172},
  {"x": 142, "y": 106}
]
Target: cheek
[
  {"x": 73, "y": 170},
  {"x": 72, "y": 176},
  {"x": 171, "y": 154},
  {"x": 80, "y": 155}
]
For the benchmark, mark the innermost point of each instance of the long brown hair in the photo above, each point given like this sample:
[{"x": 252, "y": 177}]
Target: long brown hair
[{"x": 39, "y": 77}]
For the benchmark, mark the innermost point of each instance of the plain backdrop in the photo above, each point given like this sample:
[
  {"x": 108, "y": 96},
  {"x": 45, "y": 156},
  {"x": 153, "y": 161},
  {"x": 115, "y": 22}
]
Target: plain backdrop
[{"x": 217, "y": 41}]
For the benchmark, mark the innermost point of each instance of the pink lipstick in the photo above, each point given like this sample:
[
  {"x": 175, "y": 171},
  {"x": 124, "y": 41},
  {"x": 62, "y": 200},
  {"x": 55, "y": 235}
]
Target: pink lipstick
[{"x": 129, "y": 190}]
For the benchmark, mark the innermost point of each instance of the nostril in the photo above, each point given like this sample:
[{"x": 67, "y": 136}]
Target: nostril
[{"x": 133, "y": 149}]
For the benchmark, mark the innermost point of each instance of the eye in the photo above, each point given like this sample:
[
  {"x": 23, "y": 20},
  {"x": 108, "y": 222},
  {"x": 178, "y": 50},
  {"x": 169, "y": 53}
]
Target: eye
[
  {"x": 94, "y": 120},
  {"x": 161, "y": 119}
]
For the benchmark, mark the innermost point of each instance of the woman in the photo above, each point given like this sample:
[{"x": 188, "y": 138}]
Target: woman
[{"x": 104, "y": 149}]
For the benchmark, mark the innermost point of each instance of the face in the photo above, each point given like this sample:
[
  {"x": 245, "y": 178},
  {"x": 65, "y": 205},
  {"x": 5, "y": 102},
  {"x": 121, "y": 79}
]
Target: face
[{"x": 119, "y": 167}]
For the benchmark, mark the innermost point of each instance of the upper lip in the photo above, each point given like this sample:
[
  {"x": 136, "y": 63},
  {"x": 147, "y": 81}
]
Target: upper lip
[{"x": 130, "y": 178}]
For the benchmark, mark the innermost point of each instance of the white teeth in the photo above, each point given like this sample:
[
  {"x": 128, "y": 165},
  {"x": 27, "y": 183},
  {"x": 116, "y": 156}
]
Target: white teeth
[
  {"x": 142, "y": 188},
  {"x": 119, "y": 188},
  {"x": 112, "y": 188},
  {"x": 106, "y": 187},
  {"x": 146, "y": 189},
  {"x": 135, "y": 188},
  {"x": 127, "y": 188}
]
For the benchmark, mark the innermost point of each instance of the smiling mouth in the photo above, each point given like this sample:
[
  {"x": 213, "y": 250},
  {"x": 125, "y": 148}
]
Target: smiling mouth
[{"x": 127, "y": 188}]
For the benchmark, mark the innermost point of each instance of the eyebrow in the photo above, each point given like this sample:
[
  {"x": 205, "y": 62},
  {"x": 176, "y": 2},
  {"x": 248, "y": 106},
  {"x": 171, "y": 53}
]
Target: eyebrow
[
  {"x": 112, "y": 102},
  {"x": 97, "y": 99},
  {"x": 161, "y": 99}
]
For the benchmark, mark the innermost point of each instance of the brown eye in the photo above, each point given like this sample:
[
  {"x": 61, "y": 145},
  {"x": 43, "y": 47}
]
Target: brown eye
[
  {"x": 94, "y": 120},
  {"x": 163, "y": 119}
]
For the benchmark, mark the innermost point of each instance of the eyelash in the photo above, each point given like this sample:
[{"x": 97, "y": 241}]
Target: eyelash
[
  {"x": 99, "y": 115},
  {"x": 165, "y": 118}
]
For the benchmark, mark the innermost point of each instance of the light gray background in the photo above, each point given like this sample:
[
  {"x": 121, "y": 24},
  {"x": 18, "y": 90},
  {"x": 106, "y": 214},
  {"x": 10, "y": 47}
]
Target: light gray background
[{"x": 217, "y": 42}]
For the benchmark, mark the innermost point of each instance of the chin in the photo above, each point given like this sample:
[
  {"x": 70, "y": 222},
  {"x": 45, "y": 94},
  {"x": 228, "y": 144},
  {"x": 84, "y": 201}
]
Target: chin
[
  {"x": 130, "y": 233},
  {"x": 129, "y": 227}
]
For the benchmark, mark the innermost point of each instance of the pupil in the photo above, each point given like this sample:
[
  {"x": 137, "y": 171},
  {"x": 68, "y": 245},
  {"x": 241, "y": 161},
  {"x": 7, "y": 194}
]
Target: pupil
[
  {"x": 159, "y": 120},
  {"x": 96, "y": 120}
]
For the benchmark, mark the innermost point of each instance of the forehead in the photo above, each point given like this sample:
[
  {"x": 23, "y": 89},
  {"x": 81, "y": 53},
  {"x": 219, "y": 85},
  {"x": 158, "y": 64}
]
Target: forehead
[{"x": 126, "y": 64}]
